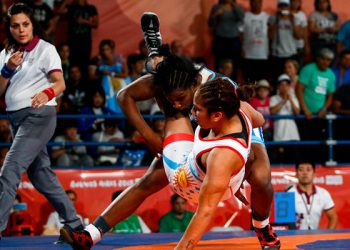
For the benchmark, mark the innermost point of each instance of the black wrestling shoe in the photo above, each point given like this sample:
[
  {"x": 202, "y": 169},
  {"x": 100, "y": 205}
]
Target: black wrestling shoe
[
  {"x": 78, "y": 239},
  {"x": 267, "y": 238},
  {"x": 150, "y": 27}
]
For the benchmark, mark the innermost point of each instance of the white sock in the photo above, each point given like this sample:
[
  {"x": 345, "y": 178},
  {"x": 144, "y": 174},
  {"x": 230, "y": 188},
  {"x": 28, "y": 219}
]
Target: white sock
[
  {"x": 261, "y": 224},
  {"x": 94, "y": 233}
]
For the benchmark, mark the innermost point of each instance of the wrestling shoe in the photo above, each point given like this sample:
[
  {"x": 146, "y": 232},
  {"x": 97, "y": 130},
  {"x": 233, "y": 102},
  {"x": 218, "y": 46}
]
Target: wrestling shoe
[
  {"x": 79, "y": 240},
  {"x": 268, "y": 238},
  {"x": 150, "y": 27}
]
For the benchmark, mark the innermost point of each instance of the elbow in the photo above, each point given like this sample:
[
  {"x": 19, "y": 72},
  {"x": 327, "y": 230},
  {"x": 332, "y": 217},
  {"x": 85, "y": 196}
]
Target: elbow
[{"x": 63, "y": 86}]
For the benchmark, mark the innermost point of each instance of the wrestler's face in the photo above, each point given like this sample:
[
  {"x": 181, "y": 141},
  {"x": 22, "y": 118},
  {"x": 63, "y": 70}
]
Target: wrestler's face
[
  {"x": 181, "y": 99},
  {"x": 200, "y": 113},
  {"x": 305, "y": 174},
  {"x": 21, "y": 28}
]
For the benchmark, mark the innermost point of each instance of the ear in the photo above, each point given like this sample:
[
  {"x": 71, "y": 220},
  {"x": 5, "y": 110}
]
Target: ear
[{"x": 216, "y": 116}]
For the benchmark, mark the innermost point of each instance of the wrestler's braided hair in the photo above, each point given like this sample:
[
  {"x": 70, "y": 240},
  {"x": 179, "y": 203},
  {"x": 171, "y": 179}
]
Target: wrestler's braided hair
[
  {"x": 174, "y": 72},
  {"x": 219, "y": 95}
]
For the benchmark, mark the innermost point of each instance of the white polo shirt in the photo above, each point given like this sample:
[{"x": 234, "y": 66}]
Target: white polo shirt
[
  {"x": 40, "y": 59},
  {"x": 309, "y": 208}
]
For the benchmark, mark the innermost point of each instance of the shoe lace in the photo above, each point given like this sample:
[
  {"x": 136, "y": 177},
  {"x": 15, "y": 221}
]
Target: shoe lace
[{"x": 153, "y": 38}]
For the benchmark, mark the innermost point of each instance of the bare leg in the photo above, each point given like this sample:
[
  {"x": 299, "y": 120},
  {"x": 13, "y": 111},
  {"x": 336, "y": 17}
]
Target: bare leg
[
  {"x": 179, "y": 124},
  {"x": 261, "y": 197},
  {"x": 260, "y": 181},
  {"x": 126, "y": 203}
]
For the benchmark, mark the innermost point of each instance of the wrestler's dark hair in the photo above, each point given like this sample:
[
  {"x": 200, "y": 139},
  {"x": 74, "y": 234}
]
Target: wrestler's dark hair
[
  {"x": 219, "y": 95},
  {"x": 19, "y": 8},
  {"x": 175, "y": 72}
]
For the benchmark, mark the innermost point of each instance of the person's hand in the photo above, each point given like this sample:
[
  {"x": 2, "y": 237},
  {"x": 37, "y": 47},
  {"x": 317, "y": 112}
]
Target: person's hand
[
  {"x": 322, "y": 113},
  {"x": 15, "y": 60},
  {"x": 308, "y": 114},
  {"x": 39, "y": 100},
  {"x": 288, "y": 97},
  {"x": 155, "y": 144}
]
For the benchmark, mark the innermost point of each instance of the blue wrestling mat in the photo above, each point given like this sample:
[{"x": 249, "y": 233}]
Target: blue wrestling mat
[{"x": 291, "y": 239}]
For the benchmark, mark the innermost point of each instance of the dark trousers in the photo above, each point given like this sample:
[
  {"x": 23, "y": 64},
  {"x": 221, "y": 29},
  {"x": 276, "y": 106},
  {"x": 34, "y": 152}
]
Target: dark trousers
[{"x": 31, "y": 131}]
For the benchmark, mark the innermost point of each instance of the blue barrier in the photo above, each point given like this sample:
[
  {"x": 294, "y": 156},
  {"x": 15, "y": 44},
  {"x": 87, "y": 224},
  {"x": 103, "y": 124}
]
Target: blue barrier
[{"x": 330, "y": 142}]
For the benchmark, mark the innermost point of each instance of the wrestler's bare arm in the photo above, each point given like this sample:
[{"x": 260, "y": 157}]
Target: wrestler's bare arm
[
  {"x": 221, "y": 164},
  {"x": 256, "y": 117},
  {"x": 141, "y": 89}
]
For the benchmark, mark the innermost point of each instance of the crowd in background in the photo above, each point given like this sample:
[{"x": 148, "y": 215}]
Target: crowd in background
[{"x": 300, "y": 65}]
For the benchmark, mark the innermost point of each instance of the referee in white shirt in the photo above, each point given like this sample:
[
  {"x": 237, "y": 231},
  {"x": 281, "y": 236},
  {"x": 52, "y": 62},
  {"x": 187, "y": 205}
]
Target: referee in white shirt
[{"x": 31, "y": 77}]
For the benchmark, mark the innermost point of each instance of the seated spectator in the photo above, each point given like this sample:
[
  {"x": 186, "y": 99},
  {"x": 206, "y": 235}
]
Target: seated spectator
[
  {"x": 77, "y": 88},
  {"x": 285, "y": 103},
  {"x": 136, "y": 64},
  {"x": 70, "y": 155},
  {"x": 108, "y": 155},
  {"x": 20, "y": 221},
  {"x": 311, "y": 200},
  {"x": 178, "y": 218},
  {"x": 54, "y": 221},
  {"x": 261, "y": 102},
  {"x": 342, "y": 70},
  {"x": 95, "y": 106},
  {"x": 133, "y": 224},
  {"x": 108, "y": 62}
]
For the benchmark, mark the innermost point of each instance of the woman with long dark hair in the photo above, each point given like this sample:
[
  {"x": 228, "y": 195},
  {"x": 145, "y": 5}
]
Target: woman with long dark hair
[{"x": 31, "y": 78}]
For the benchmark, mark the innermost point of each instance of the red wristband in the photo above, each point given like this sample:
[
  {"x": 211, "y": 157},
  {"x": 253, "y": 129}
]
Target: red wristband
[{"x": 50, "y": 93}]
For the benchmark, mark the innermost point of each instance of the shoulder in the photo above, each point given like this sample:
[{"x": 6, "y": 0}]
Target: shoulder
[
  {"x": 321, "y": 191},
  {"x": 167, "y": 216},
  {"x": 46, "y": 46}
]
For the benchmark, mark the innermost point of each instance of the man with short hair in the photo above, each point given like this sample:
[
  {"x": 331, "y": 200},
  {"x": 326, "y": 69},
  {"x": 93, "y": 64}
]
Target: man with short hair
[
  {"x": 178, "y": 218},
  {"x": 311, "y": 200},
  {"x": 315, "y": 94}
]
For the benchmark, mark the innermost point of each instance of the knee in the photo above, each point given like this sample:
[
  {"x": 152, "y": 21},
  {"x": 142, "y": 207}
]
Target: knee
[{"x": 260, "y": 179}]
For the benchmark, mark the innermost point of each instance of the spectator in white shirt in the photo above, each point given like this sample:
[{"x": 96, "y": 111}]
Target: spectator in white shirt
[{"x": 310, "y": 200}]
